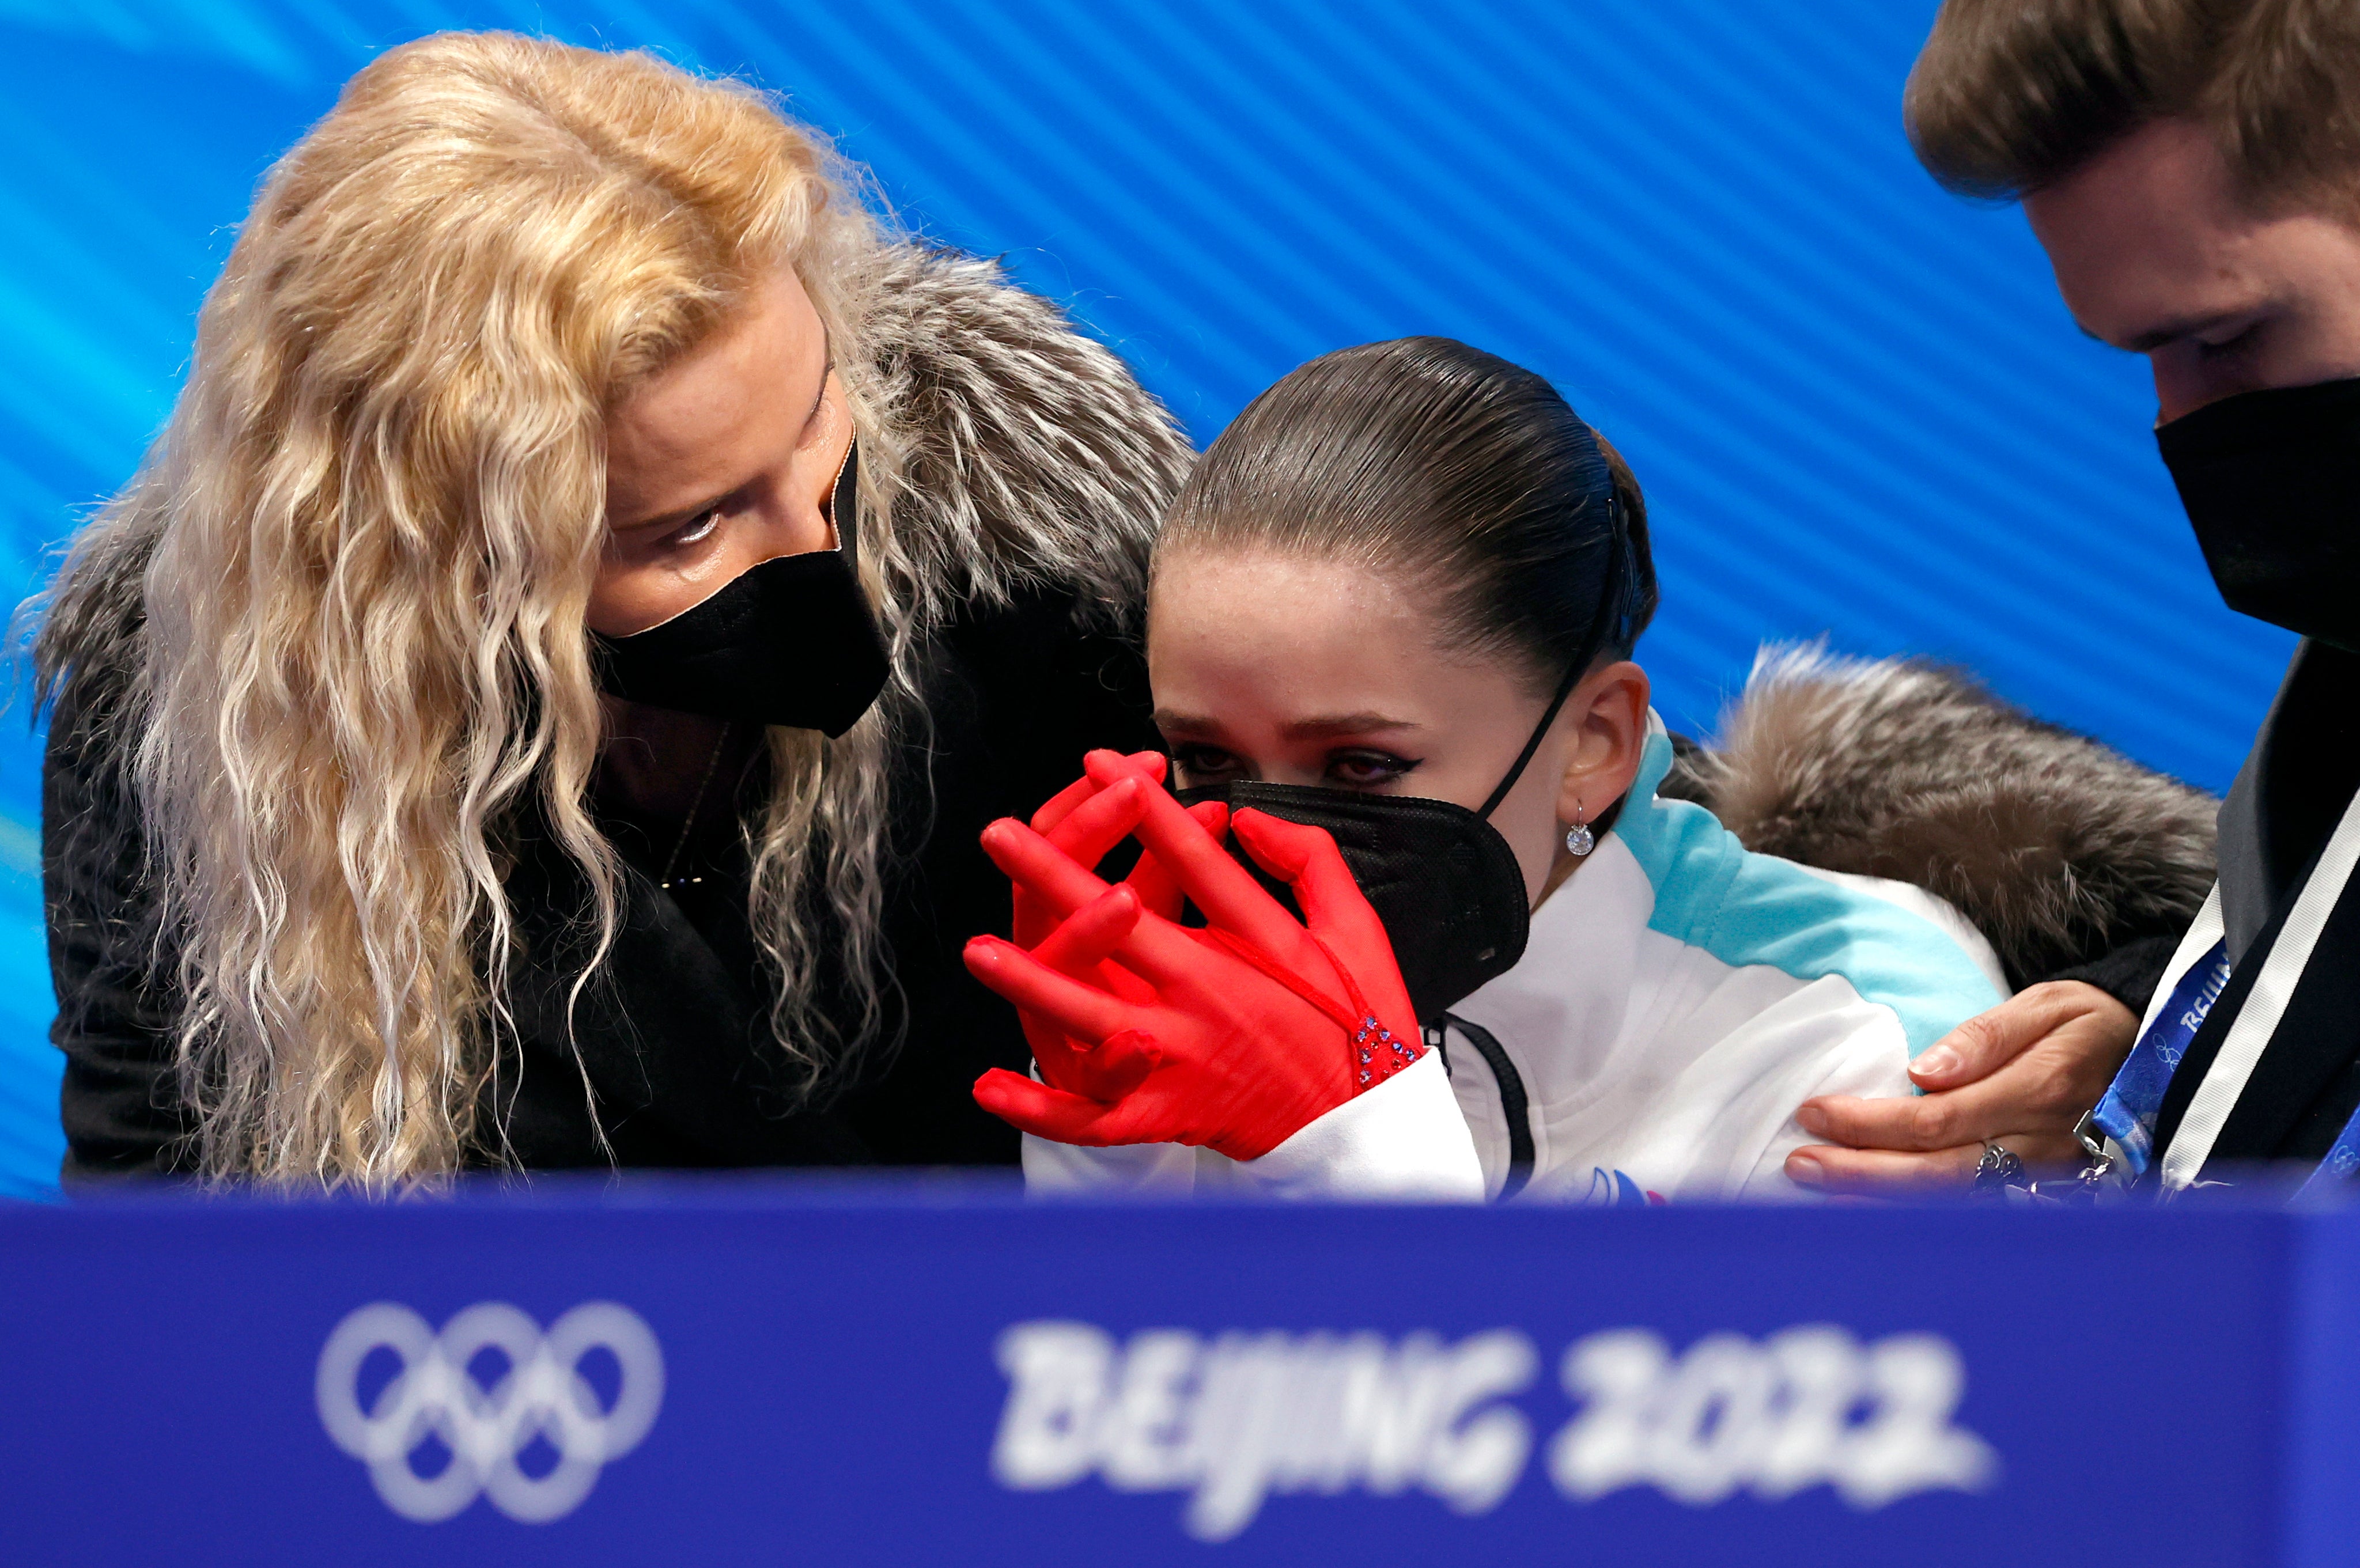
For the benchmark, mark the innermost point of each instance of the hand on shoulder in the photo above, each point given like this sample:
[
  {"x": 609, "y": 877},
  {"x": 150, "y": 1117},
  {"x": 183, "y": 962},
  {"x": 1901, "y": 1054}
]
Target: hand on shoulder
[{"x": 2021, "y": 1073}]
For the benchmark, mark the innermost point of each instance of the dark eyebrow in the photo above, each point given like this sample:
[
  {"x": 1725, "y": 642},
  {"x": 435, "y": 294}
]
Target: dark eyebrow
[
  {"x": 1343, "y": 724},
  {"x": 1167, "y": 721},
  {"x": 1172, "y": 722}
]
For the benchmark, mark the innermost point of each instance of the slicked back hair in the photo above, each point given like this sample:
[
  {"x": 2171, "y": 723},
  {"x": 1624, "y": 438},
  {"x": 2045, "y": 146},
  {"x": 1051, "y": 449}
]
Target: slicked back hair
[
  {"x": 1470, "y": 475},
  {"x": 2010, "y": 96}
]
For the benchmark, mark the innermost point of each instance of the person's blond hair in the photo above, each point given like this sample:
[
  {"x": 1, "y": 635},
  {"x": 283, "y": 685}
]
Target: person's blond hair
[
  {"x": 2009, "y": 96},
  {"x": 375, "y": 517}
]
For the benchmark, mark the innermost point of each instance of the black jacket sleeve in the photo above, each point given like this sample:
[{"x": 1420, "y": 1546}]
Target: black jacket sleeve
[
  {"x": 117, "y": 1002},
  {"x": 2129, "y": 973}
]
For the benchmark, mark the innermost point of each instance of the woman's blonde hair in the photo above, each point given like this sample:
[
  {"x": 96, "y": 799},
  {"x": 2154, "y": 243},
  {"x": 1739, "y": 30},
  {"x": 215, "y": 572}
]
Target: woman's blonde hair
[{"x": 376, "y": 516}]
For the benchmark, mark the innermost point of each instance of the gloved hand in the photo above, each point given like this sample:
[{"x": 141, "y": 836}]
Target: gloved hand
[
  {"x": 1086, "y": 820},
  {"x": 1090, "y": 816},
  {"x": 1245, "y": 1038}
]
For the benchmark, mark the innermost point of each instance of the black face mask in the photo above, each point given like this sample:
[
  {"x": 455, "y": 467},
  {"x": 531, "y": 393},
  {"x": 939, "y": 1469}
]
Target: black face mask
[
  {"x": 1441, "y": 877},
  {"x": 2271, "y": 481},
  {"x": 1443, "y": 880},
  {"x": 791, "y": 642}
]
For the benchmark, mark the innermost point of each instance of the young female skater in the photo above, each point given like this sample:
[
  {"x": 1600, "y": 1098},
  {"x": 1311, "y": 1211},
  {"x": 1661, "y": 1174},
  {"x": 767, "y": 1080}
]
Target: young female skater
[{"x": 1409, "y": 574}]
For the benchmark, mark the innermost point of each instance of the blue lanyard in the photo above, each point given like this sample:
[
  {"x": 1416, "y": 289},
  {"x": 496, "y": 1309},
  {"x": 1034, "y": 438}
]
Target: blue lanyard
[
  {"x": 2127, "y": 1113},
  {"x": 2337, "y": 1168}
]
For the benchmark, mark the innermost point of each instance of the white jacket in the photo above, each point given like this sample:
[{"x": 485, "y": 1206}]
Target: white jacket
[{"x": 1678, "y": 999}]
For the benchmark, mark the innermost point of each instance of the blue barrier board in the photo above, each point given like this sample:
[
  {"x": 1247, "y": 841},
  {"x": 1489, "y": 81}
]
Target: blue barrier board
[{"x": 685, "y": 1372}]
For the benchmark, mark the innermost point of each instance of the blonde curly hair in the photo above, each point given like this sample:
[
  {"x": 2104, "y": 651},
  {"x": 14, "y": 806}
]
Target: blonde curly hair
[{"x": 376, "y": 515}]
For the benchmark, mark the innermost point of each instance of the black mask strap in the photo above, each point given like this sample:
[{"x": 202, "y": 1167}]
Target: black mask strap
[
  {"x": 1609, "y": 606},
  {"x": 844, "y": 506}
]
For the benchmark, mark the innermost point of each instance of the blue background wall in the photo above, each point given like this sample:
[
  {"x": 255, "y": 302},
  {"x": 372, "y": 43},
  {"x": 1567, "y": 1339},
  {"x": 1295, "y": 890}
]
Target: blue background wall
[{"x": 1856, "y": 404}]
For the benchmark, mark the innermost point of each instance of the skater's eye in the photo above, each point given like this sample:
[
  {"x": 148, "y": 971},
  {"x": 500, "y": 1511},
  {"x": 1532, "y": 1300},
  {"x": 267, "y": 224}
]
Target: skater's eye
[
  {"x": 1363, "y": 769},
  {"x": 1205, "y": 763}
]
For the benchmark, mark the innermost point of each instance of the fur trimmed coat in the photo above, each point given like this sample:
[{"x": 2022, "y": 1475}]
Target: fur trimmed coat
[
  {"x": 1034, "y": 471},
  {"x": 2061, "y": 852}
]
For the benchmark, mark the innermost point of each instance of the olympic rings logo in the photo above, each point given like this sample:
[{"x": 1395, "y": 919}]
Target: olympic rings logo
[{"x": 541, "y": 1395}]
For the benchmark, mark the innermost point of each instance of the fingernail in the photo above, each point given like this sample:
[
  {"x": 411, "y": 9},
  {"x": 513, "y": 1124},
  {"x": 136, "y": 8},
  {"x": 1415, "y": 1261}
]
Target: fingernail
[
  {"x": 1937, "y": 1062},
  {"x": 1802, "y": 1168},
  {"x": 1814, "y": 1120}
]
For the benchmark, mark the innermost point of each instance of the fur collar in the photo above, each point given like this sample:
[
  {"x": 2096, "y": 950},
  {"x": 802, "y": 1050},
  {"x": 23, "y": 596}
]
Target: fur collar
[
  {"x": 1030, "y": 455},
  {"x": 2056, "y": 847}
]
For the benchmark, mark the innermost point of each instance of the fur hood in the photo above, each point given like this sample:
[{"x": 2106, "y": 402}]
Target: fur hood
[
  {"x": 1029, "y": 456},
  {"x": 2056, "y": 847}
]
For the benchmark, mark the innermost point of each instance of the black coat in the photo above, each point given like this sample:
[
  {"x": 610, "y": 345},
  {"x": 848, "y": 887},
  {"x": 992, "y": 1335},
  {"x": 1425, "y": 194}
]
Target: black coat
[
  {"x": 2301, "y": 775},
  {"x": 673, "y": 1036}
]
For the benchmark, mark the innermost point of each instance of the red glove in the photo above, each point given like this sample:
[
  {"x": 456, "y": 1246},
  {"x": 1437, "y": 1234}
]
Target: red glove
[
  {"x": 1184, "y": 861},
  {"x": 1086, "y": 820},
  {"x": 1082, "y": 821},
  {"x": 1244, "y": 1040},
  {"x": 1085, "y": 834}
]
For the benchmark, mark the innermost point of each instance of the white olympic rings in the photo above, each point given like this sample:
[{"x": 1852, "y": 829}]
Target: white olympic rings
[{"x": 541, "y": 1394}]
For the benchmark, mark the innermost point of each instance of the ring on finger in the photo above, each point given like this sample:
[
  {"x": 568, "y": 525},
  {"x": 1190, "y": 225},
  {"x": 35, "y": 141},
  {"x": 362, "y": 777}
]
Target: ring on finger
[{"x": 1999, "y": 1169}]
